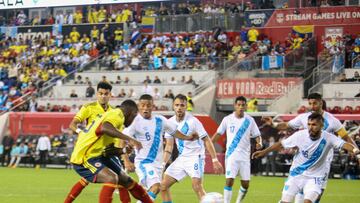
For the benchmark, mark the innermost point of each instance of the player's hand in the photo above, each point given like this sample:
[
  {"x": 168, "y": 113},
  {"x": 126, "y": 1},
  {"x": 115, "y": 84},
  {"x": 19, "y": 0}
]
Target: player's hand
[
  {"x": 193, "y": 136},
  {"x": 258, "y": 154},
  {"x": 218, "y": 168},
  {"x": 258, "y": 146},
  {"x": 267, "y": 120},
  {"x": 127, "y": 149},
  {"x": 136, "y": 144},
  {"x": 129, "y": 166}
]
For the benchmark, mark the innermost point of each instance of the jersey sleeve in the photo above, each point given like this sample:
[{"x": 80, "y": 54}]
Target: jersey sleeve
[
  {"x": 222, "y": 127},
  {"x": 335, "y": 141},
  {"x": 199, "y": 128},
  {"x": 83, "y": 114},
  {"x": 291, "y": 141},
  {"x": 255, "y": 132},
  {"x": 295, "y": 123},
  {"x": 115, "y": 118},
  {"x": 170, "y": 127},
  {"x": 339, "y": 128}
]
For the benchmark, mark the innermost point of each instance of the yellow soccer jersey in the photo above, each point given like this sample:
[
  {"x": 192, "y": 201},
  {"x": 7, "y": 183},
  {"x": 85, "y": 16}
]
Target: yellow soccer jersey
[
  {"x": 89, "y": 112},
  {"x": 90, "y": 142}
]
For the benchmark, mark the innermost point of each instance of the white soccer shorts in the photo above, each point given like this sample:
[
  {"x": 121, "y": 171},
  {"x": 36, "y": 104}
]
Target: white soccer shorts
[
  {"x": 192, "y": 166},
  {"x": 309, "y": 185},
  {"x": 148, "y": 173},
  {"x": 234, "y": 167}
]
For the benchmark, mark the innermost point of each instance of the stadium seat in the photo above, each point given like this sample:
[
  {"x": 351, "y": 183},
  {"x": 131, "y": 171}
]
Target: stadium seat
[
  {"x": 336, "y": 110},
  {"x": 302, "y": 109},
  {"x": 347, "y": 110},
  {"x": 356, "y": 110}
]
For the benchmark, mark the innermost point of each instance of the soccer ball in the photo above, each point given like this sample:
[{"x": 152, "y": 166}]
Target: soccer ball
[{"x": 212, "y": 197}]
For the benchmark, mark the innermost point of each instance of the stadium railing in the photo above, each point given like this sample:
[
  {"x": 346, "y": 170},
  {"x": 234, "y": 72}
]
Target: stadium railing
[{"x": 198, "y": 22}]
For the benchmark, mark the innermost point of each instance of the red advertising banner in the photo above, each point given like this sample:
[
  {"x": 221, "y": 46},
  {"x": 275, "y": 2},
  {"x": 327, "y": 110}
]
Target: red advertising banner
[
  {"x": 315, "y": 16},
  {"x": 255, "y": 87}
]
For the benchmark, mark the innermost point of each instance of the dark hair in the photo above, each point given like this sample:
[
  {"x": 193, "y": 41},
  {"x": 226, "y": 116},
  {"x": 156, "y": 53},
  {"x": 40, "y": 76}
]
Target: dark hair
[
  {"x": 128, "y": 104},
  {"x": 316, "y": 96},
  {"x": 146, "y": 97},
  {"x": 240, "y": 98},
  {"x": 181, "y": 97},
  {"x": 324, "y": 105},
  {"x": 104, "y": 85},
  {"x": 316, "y": 116}
]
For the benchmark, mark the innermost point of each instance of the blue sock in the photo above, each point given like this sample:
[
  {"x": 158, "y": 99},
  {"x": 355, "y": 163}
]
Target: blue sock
[
  {"x": 151, "y": 194},
  {"x": 168, "y": 202},
  {"x": 227, "y": 188}
]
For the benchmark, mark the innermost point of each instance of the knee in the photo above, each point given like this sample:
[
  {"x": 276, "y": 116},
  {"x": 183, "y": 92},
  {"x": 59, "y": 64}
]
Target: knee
[
  {"x": 164, "y": 186},
  {"x": 245, "y": 184},
  {"x": 229, "y": 182},
  {"x": 155, "y": 188}
]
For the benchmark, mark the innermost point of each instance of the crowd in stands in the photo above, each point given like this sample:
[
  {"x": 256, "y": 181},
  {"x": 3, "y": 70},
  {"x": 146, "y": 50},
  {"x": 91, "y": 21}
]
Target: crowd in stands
[
  {"x": 348, "y": 44},
  {"x": 37, "y": 150}
]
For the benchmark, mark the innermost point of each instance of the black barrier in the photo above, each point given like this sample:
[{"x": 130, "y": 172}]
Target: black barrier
[{"x": 30, "y": 32}]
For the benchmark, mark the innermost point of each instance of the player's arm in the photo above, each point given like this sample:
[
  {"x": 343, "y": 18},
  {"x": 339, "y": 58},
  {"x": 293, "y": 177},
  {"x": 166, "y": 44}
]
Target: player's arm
[
  {"x": 275, "y": 147},
  {"x": 125, "y": 157},
  {"x": 211, "y": 149},
  {"x": 178, "y": 134},
  {"x": 351, "y": 148},
  {"x": 79, "y": 118},
  {"x": 169, "y": 146},
  {"x": 215, "y": 137},
  {"x": 108, "y": 129},
  {"x": 345, "y": 136},
  {"x": 277, "y": 125}
]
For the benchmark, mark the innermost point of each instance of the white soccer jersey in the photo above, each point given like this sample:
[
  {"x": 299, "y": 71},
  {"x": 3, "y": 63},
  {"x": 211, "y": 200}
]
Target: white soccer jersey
[
  {"x": 238, "y": 134},
  {"x": 311, "y": 159},
  {"x": 189, "y": 125},
  {"x": 150, "y": 133},
  {"x": 331, "y": 124}
]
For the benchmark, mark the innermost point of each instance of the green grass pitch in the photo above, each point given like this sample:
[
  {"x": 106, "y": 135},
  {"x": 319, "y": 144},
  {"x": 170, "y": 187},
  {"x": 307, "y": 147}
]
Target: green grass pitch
[{"x": 52, "y": 185}]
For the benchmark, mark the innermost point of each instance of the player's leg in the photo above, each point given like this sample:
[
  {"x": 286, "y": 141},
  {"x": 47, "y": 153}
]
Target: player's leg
[
  {"x": 232, "y": 168},
  {"x": 165, "y": 185},
  {"x": 299, "y": 198},
  {"x": 245, "y": 180},
  {"x": 174, "y": 173},
  {"x": 76, "y": 190},
  {"x": 134, "y": 188},
  {"x": 115, "y": 165},
  {"x": 150, "y": 177},
  {"x": 110, "y": 180},
  {"x": 292, "y": 186},
  {"x": 198, "y": 187},
  {"x": 312, "y": 189}
]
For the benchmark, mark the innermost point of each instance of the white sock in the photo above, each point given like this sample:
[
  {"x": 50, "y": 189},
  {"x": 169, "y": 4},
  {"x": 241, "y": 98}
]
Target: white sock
[
  {"x": 241, "y": 195},
  {"x": 299, "y": 197},
  {"x": 227, "y": 194}
]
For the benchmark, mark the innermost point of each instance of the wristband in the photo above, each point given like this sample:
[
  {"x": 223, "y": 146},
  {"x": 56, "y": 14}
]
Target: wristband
[
  {"x": 214, "y": 160},
  {"x": 358, "y": 156},
  {"x": 124, "y": 150},
  {"x": 78, "y": 130},
  {"x": 274, "y": 124}
]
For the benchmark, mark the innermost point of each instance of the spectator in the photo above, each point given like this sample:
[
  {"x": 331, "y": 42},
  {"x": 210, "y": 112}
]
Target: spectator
[
  {"x": 132, "y": 93},
  {"x": 157, "y": 94},
  {"x": 127, "y": 80},
  {"x": 183, "y": 80},
  {"x": 147, "y": 89},
  {"x": 21, "y": 18},
  {"x": 94, "y": 34},
  {"x": 169, "y": 95},
  {"x": 90, "y": 91},
  {"x": 73, "y": 94},
  {"x": 147, "y": 80},
  {"x": 78, "y": 17},
  {"x": 190, "y": 103},
  {"x": 252, "y": 35},
  {"x": 74, "y": 108},
  {"x": 122, "y": 93},
  {"x": 33, "y": 104},
  {"x": 252, "y": 105},
  {"x": 157, "y": 80},
  {"x": 190, "y": 80},
  {"x": 343, "y": 78},
  {"x": 17, "y": 153},
  {"x": 270, "y": 158},
  {"x": 118, "y": 80},
  {"x": 356, "y": 76},
  {"x": 43, "y": 147},
  {"x": 172, "y": 81},
  {"x": 7, "y": 143}
]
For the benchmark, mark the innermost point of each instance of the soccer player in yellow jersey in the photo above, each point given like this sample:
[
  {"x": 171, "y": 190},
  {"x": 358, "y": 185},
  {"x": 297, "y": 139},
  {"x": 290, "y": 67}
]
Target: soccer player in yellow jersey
[
  {"x": 92, "y": 164},
  {"x": 88, "y": 113}
]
